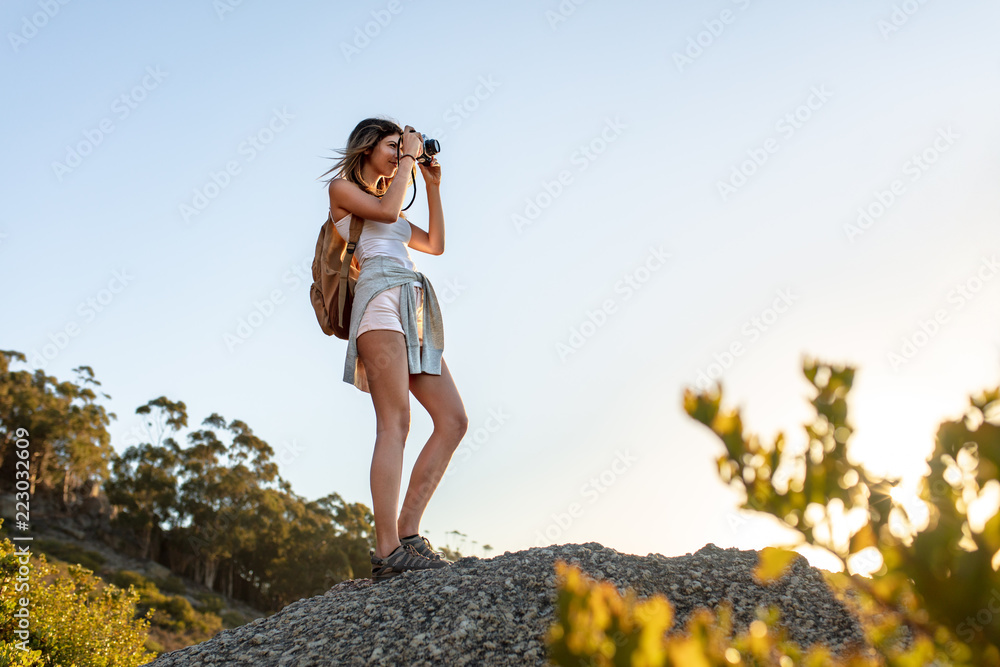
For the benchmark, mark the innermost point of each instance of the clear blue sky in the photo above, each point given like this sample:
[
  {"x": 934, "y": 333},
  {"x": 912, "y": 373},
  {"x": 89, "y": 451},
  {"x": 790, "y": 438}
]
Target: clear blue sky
[{"x": 740, "y": 138}]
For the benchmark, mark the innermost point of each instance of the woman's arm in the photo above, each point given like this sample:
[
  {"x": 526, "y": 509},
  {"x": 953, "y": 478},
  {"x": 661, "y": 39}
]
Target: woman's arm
[
  {"x": 431, "y": 241},
  {"x": 348, "y": 196}
]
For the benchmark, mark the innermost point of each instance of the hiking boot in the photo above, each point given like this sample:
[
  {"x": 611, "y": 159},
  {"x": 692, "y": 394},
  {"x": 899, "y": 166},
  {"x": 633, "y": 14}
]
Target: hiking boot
[
  {"x": 423, "y": 547},
  {"x": 403, "y": 558}
]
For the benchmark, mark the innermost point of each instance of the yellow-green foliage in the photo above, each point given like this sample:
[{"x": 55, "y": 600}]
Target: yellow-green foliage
[
  {"x": 172, "y": 584},
  {"x": 595, "y": 622},
  {"x": 884, "y": 627},
  {"x": 74, "y": 618},
  {"x": 170, "y": 612},
  {"x": 10, "y": 656},
  {"x": 938, "y": 585},
  {"x": 69, "y": 553},
  {"x": 597, "y": 626},
  {"x": 210, "y": 603},
  {"x": 941, "y": 580}
]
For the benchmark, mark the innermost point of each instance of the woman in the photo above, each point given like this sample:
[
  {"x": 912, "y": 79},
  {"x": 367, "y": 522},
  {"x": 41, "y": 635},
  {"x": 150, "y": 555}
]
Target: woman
[{"x": 389, "y": 353}]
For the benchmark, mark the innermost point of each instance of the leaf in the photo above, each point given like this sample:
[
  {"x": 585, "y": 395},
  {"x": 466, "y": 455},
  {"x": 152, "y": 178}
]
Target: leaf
[
  {"x": 687, "y": 651},
  {"x": 773, "y": 563},
  {"x": 863, "y": 539}
]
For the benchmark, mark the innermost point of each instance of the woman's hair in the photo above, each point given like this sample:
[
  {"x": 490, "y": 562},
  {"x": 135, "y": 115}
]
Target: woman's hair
[{"x": 366, "y": 134}]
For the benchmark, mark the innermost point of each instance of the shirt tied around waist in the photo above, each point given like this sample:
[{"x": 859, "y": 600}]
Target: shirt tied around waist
[{"x": 379, "y": 273}]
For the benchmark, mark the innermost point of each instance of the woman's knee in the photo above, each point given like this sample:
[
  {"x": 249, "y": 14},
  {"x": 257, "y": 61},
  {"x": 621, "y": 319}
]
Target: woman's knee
[
  {"x": 396, "y": 424},
  {"x": 455, "y": 422}
]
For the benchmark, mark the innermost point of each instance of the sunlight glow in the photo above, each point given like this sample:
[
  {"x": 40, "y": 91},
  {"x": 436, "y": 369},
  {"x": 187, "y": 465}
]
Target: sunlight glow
[
  {"x": 984, "y": 506},
  {"x": 865, "y": 562}
]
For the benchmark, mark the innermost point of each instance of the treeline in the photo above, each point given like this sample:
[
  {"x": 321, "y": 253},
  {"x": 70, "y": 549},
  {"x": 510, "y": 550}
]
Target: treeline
[{"x": 215, "y": 511}]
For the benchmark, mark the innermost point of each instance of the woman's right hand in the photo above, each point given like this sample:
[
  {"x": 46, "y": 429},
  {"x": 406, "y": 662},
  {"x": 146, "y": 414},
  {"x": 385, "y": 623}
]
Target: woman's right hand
[{"x": 412, "y": 143}]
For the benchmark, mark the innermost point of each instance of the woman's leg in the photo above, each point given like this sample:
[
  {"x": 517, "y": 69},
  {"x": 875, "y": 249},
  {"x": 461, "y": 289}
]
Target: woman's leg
[
  {"x": 439, "y": 396},
  {"x": 383, "y": 353}
]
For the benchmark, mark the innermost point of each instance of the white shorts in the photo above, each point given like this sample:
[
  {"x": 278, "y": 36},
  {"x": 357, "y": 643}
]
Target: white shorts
[{"x": 383, "y": 312}]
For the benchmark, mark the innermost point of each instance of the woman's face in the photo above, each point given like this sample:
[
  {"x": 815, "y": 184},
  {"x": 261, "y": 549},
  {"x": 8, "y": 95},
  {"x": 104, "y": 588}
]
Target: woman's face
[{"x": 383, "y": 156}]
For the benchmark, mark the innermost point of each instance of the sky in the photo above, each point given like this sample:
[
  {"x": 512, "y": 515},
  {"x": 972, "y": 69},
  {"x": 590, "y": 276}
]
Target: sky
[{"x": 638, "y": 197}]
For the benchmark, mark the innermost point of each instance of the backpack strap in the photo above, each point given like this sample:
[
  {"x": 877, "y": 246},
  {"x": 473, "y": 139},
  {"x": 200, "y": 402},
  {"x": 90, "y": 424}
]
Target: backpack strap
[{"x": 357, "y": 224}]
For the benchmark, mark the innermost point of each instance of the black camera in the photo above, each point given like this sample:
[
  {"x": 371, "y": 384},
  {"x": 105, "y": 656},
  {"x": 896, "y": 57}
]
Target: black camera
[{"x": 431, "y": 148}]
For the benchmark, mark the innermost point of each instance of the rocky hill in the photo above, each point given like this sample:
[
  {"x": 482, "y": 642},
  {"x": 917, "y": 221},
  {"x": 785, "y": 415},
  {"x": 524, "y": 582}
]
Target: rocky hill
[{"x": 497, "y": 611}]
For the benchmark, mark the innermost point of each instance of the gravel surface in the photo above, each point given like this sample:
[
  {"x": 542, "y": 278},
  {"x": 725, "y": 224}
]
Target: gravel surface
[{"x": 497, "y": 611}]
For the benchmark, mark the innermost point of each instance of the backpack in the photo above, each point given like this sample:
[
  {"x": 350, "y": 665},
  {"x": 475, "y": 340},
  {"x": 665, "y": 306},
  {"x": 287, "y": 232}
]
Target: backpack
[{"x": 335, "y": 273}]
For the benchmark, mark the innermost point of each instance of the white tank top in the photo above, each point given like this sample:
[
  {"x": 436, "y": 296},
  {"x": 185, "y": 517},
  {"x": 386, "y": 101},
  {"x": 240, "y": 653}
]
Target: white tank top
[{"x": 380, "y": 238}]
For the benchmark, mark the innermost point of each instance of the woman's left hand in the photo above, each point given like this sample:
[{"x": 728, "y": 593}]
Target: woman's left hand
[{"x": 432, "y": 172}]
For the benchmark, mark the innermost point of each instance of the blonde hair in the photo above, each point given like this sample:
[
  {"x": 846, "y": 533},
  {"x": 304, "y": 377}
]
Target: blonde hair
[{"x": 366, "y": 134}]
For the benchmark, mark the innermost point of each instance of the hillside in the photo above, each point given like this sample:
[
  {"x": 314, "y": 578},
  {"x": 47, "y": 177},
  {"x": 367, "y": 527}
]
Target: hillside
[
  {"x": 186, "y": 611},
  {"x": 496, "y": 611}
]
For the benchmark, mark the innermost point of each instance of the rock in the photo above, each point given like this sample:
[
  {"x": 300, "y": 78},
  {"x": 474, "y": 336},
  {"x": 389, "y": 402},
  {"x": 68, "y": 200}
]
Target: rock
[
  {"x": 8, "y": 507},
  {"x": 71, "y": 530},
  {"x": 497, "y": 611}
]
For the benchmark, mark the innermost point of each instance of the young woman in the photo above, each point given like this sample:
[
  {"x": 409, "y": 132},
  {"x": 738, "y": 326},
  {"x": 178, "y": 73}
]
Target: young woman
[{"x": 389, "y": 352}]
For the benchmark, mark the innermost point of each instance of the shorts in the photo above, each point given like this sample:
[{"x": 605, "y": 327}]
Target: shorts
[{"x": 383, "y": 312}]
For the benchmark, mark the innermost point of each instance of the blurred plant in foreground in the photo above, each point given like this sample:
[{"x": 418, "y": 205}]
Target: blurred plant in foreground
[
  {"x": 596, "y": 626},
  {"x": 937, "y": 585},
  {"x": 941, "y": 581}
]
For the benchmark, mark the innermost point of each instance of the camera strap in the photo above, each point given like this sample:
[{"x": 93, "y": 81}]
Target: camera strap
[{"x": 413, "y": 175}]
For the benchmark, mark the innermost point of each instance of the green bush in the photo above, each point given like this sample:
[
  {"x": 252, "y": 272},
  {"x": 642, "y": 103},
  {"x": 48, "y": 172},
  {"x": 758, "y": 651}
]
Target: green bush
[
  {"x": 11, "y": 656},
  {"x": 175, "y": 613},
  {"x": 178, "y": 609},
  {"x": 152, "y": 646},
  {"x": 73, "y": 617},
  {"x": 210, "y": 603},
  {"x": 70, "y": 553},
  {"x": 172, "y": 584},
  {"x": 125, "y": 578},
  {"x": 170, "y": 612},
  {"x": 233, "y": 619}
]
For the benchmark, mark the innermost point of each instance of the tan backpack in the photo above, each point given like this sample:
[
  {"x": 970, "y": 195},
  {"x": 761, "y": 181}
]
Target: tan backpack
[{"x": 335, "y": 273}]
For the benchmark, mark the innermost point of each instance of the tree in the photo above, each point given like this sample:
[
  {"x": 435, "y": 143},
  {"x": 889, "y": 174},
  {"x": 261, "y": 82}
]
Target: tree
[
  {"x": 143, "y": 482},
  {"x": 226, "y": 516},
  {"x": 70, "y": 444},
  {"x": 218, "y": 490},
  {"x": 143, "y": 485}
]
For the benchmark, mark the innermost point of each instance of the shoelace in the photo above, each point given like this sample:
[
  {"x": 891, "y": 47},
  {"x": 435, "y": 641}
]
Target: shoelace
[{"x": 428, "y": 543}]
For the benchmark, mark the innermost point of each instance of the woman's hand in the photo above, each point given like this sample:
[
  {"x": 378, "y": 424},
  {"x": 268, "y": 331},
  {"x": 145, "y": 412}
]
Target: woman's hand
[
  {"x": 432, "y": 172},
  {"x": 411, "y": 143}
]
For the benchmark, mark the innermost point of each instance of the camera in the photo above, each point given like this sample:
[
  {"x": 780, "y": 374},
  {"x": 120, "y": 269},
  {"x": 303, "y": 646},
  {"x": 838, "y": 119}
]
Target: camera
[{"x": 431, "y": 148}]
